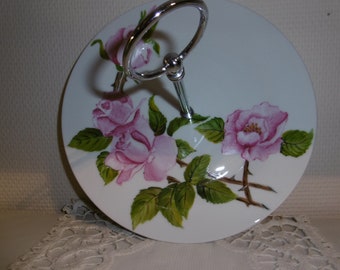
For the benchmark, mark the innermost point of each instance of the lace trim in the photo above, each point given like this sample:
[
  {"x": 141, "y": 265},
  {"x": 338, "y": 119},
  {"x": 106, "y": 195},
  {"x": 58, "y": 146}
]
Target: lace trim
[
  {"x": 84, "y": 239},
  {"x": 284, "y": 243}
]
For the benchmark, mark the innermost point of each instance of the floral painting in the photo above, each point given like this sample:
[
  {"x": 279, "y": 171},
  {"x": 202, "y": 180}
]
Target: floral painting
[{"x": 130, "y": 142}]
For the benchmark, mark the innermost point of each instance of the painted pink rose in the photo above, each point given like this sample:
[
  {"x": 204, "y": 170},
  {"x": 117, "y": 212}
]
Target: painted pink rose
[
  {"x": 109, "y": 114},
  {"x": 256, "y": 133},
  {"x": 115, "y": 46},
  {"x": 136, "y": 148}
]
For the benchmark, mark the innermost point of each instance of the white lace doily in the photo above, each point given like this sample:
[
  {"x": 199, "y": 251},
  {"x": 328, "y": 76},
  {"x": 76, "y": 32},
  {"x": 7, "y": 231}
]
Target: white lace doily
[{"x": 83, "y": 239}]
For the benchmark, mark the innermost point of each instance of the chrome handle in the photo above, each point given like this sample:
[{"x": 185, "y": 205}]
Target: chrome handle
[{"x": 173, "y": 62}]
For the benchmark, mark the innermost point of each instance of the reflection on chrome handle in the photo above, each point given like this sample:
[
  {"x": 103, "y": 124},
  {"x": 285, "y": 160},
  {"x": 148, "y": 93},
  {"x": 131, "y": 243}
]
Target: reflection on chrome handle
[{"x": 173, "y": 62}]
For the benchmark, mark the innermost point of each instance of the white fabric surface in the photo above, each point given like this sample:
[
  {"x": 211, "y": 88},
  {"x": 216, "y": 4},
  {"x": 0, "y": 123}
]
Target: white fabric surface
[
  {"x": 40, "y": 41},
  {"x": 84, "y": 240}
]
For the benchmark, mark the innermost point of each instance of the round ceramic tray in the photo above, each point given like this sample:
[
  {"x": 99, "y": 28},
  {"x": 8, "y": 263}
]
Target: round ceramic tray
[{"x": 168, "y": 178}]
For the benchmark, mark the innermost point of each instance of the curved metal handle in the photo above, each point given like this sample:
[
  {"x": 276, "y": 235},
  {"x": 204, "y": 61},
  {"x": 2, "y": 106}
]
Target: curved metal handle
[
  {"x": 173, "y": 62},
  {"x": 150, "y": 21}
]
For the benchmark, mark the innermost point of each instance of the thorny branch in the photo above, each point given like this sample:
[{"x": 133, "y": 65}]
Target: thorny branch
[{"x": 248, "y": 200}]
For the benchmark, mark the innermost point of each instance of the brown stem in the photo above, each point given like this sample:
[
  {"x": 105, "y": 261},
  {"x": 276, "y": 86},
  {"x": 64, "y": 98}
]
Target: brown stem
[
  {"x": 181, "y": 163},
  {"x": 252, "y": 202},
  {"x": 238, "y": 182},
  {"x": 172, "y": 179},
  {"x": 248, "y": 200},
  {"x": 245, "y": 183}
]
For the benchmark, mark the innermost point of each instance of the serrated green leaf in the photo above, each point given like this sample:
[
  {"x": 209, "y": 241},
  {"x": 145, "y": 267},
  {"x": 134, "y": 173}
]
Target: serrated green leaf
[
  {"x": 184, "y": 149},
  {"x": 197, "y": 169},
  {"x": 184, "y": 198},
  {"x": 152, "y": 104},
  {"x": 212, "y": 130},
  {"x": 107, "y": 173},
  {"x": 215, "y": 192},
  {"x": 90, "y": 140},
  {"x": 296, "y": 142},
  {"x": 103, "y": 54},
  {"x": 197, "y": 118},
  {"x": 144, "y": 206},
  {"x": 157, "y": 120},
  {"x": 179, "y": 122},
  {"x": 167, "y": 205},
  {"x": 176, "y": 124}
]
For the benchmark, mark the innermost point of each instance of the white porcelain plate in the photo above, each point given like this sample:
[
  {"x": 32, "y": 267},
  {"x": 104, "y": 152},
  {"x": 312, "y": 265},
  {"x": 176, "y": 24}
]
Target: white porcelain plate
[{"x": 164, "y": 177}]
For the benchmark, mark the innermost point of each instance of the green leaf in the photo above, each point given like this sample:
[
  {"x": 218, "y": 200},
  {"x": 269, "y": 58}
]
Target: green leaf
[
  {"x": 196, "y": 118},
  {"x": 143, "y": 14},
  {"x": 103, "y": 54},
  {"x": 90, "y": 139},
  {"x": 167, "y": 205},
  {"x": 155, "y": 45},
  {"x": 157, "y": 120},
  {"x": 215, "y": 192},
  {"x": 149, "y": 33},
  {"x": 212, "y": 130},
  {"x": 119, "y": 68},
  {"x": 179, "y": 122},
  {"x": 152, "y": 29},
  {"x": 184, "y": 149},
  {"x": 107, "y": 173},
  {"x": 144, "y": 206},
  {"x": 296, "y": 142},
  {"x": 197, "y": 169},
  {"x": 176, "y": 124},
  {"x": 184, "y": 198}
]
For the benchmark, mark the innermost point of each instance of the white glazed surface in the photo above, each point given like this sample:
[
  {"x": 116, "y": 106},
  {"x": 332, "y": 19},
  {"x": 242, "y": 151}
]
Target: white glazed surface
[{"x": 242, "y": 60}]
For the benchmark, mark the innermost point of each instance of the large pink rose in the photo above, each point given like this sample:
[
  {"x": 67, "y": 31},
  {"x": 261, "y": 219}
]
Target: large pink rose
[
  {"x": 115, "y": 46},
  {"x": 136, "y": 147},
  {"x": 255, "y": 133},
  {"x": 110, "y": 114}
]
